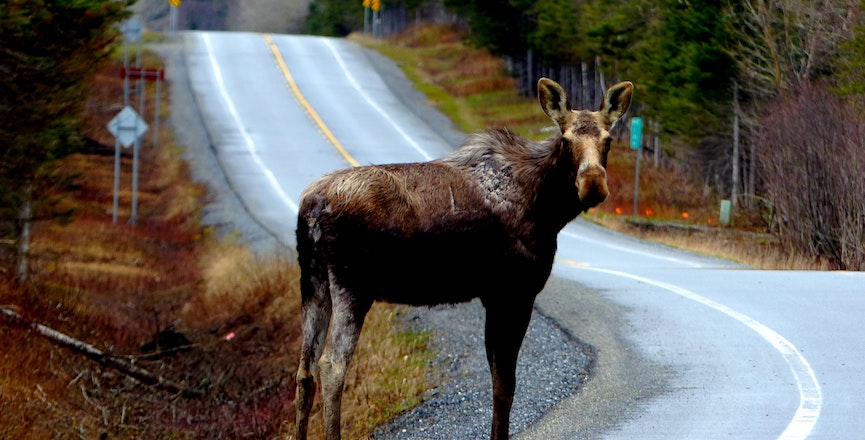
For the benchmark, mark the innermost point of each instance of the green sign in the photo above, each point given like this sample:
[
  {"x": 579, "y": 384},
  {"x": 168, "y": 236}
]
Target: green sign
[{"x": 636, "y": 133}]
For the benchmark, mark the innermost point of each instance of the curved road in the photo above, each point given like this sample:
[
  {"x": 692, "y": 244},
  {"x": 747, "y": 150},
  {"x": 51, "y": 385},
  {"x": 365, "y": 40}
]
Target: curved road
[{"x": 686, "y": 346}]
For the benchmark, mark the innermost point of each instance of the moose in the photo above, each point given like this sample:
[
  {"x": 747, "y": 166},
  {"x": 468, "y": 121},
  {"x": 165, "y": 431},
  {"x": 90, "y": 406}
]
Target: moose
[{"x": 481, "y": 222}]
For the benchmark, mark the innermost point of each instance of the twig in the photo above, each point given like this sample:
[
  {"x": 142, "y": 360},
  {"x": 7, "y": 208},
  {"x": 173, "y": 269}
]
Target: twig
[
  {"x": 155, "y": 354},
  {"x": 140, "y": 374}
]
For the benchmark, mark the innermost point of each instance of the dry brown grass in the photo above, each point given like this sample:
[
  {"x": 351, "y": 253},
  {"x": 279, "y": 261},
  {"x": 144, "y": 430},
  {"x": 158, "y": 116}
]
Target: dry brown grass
[
  {"x": 758, "y": 250},
  {"x": 469, "y": 85},
  {"x": 223, "y": 320}
]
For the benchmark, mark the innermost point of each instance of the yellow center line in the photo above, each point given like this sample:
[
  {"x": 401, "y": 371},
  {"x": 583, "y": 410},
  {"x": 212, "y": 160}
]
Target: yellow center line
[
  {"x": 571, "y": 263},
  {"x": 305, "y": 104}
]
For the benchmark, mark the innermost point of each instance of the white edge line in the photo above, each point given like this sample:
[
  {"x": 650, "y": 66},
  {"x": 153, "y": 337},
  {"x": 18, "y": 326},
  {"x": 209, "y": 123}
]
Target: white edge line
[
  {"x": 629, "y": 250},
  {"x": 250, "y": 145},
  {"x": 372, "y": 103},
  {"x": 810, "y": 394}
]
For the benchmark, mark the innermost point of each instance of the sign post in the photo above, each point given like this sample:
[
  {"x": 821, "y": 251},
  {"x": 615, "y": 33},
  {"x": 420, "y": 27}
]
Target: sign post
[
  {"x": 157, "y": 75},
  {"x": 127, "y": 128},
  {"x": 132, "y": 31},
  {"x": 637, "y": 144},
  {"x": 172, "y": 17}
]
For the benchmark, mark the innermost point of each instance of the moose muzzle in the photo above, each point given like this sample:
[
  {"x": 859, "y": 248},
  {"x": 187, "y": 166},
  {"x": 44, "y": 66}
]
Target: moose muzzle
[{"x": 592, "y": 185}]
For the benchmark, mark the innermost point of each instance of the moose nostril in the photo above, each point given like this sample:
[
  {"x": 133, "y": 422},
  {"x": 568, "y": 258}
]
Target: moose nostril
[{"x": 592, "y": 172}]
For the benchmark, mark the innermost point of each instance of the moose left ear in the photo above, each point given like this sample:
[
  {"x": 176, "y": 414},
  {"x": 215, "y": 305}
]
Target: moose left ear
[
  {"x": 616, "y": 102},
  {"x": 553, "y": 100}
]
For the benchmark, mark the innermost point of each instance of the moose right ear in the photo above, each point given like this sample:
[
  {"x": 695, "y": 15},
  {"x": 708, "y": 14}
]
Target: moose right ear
[
  {"x": 616, "y": 102},
  {"x": 553, "y": 100}
]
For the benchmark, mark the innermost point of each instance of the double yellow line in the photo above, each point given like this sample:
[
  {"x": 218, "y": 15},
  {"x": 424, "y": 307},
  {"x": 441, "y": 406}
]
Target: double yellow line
[{"x": 295, "y": 91}]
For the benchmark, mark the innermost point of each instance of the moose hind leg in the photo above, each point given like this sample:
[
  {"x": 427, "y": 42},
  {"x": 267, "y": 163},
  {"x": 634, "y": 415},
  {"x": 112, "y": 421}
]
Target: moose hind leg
[
  {"x": 348, "y": 316},
  {"x": 316, "y": 313},
  {"x": 505, "y": 329}
]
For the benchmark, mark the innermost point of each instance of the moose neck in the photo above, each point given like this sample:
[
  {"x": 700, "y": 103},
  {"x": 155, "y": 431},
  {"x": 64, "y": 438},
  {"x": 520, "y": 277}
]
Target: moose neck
[{"x": 550, "y": 179}]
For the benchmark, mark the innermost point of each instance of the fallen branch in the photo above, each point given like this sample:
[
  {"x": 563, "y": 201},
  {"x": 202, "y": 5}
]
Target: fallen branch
[{"x": 107, "y": 359}]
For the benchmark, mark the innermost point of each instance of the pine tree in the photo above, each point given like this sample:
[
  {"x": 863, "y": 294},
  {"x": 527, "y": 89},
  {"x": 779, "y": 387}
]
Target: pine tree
[{"x": 48, "y": 51}]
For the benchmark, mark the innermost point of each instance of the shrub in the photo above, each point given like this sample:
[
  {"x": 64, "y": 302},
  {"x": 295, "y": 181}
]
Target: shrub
[{"x": 812, "y": 151}]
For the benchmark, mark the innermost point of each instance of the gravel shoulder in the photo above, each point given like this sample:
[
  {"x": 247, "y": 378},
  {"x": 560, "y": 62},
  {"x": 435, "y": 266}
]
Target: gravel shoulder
[{"x": 565, "y": 390}]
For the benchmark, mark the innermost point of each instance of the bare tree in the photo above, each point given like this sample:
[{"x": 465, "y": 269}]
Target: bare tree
[
  {"x": 781, "y": 44},
  {"x": 813, "y": 159}
]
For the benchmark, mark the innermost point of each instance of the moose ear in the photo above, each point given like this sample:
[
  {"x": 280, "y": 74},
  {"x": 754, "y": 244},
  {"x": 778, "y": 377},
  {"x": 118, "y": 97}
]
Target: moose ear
[
  {"x": 553, "y": 100},
  {"x": 616, "y": 102}
]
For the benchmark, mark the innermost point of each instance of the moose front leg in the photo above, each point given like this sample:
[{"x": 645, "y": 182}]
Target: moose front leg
[{"x": 505, "y": 329}]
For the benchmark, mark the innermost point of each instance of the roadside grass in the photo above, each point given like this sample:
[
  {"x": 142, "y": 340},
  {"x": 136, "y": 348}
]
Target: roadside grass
[
  {"x": 468, "y": 85},
  {"x": 474, "y": 90}
]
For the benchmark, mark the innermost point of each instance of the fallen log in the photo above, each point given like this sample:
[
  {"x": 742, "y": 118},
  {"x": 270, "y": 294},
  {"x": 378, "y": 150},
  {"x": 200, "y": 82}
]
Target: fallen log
[{"x": 106, "y": 359}]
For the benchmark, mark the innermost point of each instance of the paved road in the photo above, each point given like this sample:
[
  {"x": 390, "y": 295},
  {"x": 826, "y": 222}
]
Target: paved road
[{"x": 684, "y": 346}]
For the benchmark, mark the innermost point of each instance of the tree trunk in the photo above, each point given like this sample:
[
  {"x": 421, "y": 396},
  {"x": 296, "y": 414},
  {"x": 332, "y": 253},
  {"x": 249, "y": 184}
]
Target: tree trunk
[
  {"x": 24, "y": 217},
  {"x": 751, "y": 190},
  {"x": 734, "y": 191}
]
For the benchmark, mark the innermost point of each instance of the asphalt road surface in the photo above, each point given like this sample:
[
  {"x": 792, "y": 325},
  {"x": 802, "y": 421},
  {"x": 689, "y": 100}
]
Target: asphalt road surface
[{"x": 673, "y": 344}]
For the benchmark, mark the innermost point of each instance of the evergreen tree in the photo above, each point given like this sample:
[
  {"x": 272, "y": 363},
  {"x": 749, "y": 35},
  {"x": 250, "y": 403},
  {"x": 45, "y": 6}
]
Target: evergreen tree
[
  {"x": 686, "y": 73},
  {"x": 334, "y": 18},
  {"x": 554, "y": 34},
  {"x": 48, "y": 51},
  {"x": 496, "y": 25}
]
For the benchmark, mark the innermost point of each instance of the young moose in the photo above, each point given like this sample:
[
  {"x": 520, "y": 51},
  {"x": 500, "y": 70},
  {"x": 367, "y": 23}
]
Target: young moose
[{"x": 479, "y": 223}]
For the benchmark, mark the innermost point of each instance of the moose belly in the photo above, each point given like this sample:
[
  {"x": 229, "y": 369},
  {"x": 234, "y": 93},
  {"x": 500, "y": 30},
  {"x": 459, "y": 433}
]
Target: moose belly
[{"x": 432, "y": 267}]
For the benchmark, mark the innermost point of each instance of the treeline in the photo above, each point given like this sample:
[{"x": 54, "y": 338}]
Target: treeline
[
  {"x": 49, "y": 49},
  {"x": 715, "y": 80},
  {"x": 278, "y": 16},
  {"x": 760, "y": 99}
]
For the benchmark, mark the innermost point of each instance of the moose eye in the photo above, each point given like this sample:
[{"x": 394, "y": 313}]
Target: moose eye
[{"x": 607, "y": 145}]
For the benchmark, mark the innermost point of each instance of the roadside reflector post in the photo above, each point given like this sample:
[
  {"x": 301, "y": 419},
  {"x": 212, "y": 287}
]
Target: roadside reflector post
[
  {"x": 726, "y": 209},
  {"x": 637, "y": 144}
]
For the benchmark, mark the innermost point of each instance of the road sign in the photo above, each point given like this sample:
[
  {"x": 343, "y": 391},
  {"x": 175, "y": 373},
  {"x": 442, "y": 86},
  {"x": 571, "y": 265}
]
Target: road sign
[
  {"x": 636, "y": 133},
  {"x": 127, "y": 126},
  {"x": 175, "y": 3},
  {"x": 142, "y": 73},
  {"x": 132, "y": 29}
]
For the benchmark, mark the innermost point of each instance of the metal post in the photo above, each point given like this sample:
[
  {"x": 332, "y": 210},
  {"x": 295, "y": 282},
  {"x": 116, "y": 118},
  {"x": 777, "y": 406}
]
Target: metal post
[
  {"x": 116, "y": 178},
  {"x": 133, "y": 216},
  {"x": 637, "y": 183},
  {"x": 156, "y": 114},
  {"x": 172, "y": 21},
  {"x": 366, "y": 19},
  {"x": 125, "y": 69},
  {"x": 637, "y": 144}
]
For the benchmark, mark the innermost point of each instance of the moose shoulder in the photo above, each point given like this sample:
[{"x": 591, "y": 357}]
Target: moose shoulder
[{"x": 480, "y": 223}]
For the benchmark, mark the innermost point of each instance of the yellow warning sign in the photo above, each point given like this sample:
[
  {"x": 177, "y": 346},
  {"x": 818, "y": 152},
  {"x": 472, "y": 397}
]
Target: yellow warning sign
[{"x": 175, "y": 3}]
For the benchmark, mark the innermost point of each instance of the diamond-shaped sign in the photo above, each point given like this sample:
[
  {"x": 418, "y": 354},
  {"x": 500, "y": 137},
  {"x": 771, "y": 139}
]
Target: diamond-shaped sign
[
  {"x": 132, "y": 29},
  {"x": 127, "y": 126}
]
